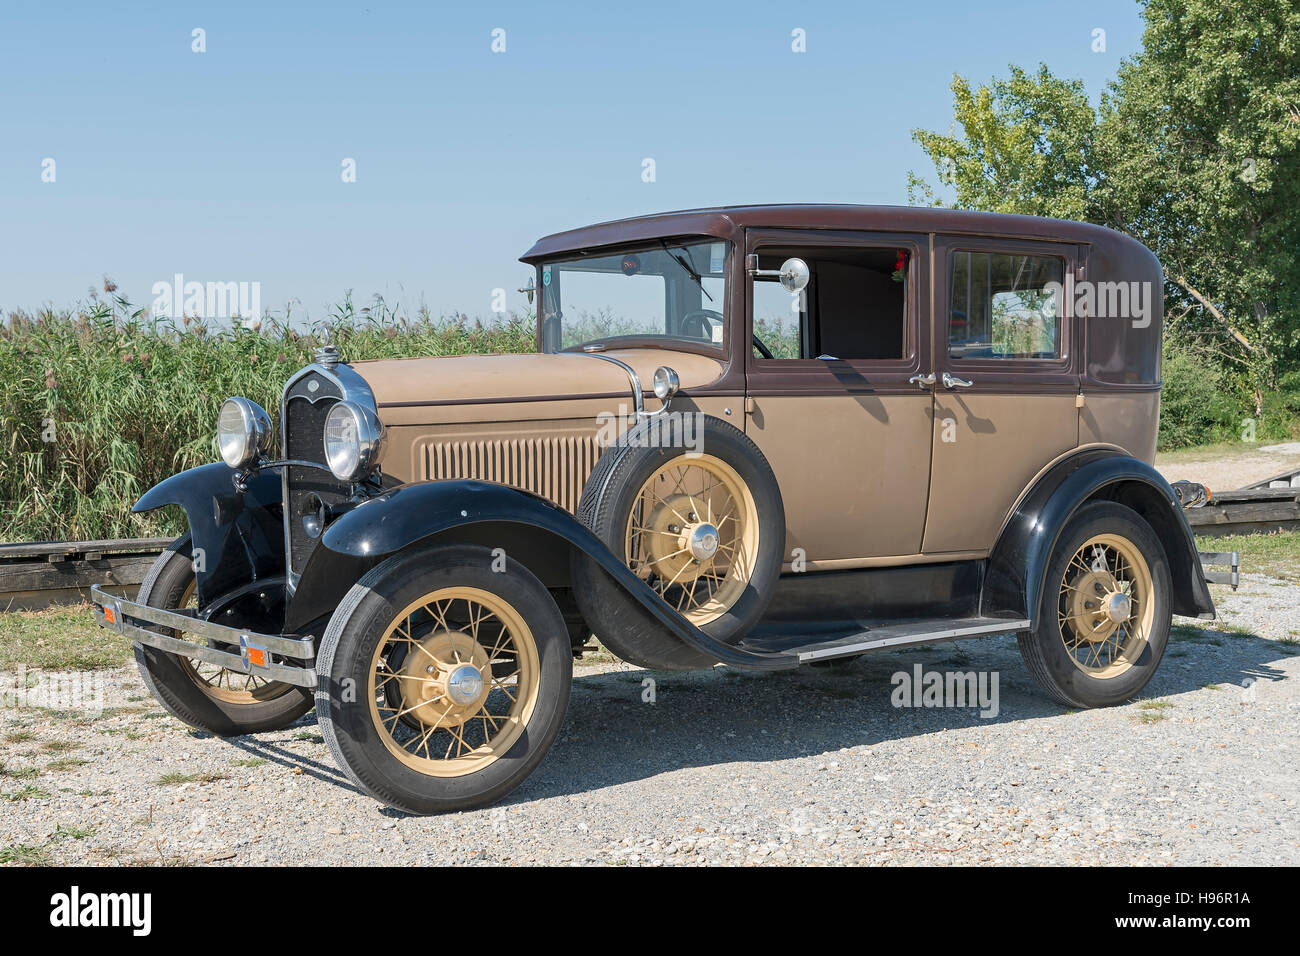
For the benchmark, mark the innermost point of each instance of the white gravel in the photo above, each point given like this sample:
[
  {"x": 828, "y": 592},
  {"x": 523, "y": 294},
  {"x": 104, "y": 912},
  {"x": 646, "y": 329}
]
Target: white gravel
[{"x": 814, "y": 766}]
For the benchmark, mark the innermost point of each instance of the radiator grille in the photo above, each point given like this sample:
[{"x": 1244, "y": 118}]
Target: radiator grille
[
  {"x": 555, "y": 468},
  {"x": 304, "y": 440}
]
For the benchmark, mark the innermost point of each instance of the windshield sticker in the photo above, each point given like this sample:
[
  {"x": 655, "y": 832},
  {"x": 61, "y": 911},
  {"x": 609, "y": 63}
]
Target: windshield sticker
[
  {"x": 631, "y": 265},
  {"x": 546, "y": 275}
]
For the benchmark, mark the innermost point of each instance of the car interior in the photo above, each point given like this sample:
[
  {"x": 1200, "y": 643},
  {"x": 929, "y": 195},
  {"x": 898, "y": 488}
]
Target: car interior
[{"x": 854, "y": 308}]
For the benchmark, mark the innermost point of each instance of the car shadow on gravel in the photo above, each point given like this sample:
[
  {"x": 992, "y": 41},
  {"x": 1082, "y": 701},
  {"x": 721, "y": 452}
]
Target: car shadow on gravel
[
  {"x": 272, "y": 752},
  {"x": 614, "y": 734}
]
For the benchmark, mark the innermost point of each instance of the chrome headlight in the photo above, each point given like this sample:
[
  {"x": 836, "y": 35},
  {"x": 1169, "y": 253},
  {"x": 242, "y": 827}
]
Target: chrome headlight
[
  {"x": 666, "y": 383},
  {"x": 354, "y": 441},
  {"x": 243, "y": 432}
]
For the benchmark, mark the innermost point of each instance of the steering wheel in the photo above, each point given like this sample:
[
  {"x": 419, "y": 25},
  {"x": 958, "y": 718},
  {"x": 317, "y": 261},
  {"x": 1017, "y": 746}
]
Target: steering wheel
[
  {"x": 701, "y": 319},
  {"x": 762, "y": 349}
]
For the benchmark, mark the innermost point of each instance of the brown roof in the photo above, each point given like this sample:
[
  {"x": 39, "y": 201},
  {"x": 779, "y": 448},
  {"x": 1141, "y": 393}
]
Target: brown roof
[{"x": 728, "y": 221}]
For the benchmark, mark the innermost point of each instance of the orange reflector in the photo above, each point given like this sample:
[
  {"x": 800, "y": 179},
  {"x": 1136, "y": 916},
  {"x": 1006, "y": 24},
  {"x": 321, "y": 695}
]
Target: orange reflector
[
  {"x": 108, "y": 615},
  {"x": 257, "y": 656}
]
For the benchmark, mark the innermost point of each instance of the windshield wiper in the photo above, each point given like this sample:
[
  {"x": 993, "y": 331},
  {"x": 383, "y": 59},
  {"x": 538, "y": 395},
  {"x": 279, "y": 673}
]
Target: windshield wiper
[{"x": 699, "y": 280}]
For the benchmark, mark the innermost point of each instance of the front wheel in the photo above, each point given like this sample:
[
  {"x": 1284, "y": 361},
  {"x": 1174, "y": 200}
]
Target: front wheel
[
  {"x": 1104, "y": 615},
  {"x": 443, "y": 681},
  {"x": 207, "y": 696}
]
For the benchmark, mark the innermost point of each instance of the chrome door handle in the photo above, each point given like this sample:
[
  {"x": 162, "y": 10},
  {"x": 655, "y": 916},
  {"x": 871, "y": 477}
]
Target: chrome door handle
[
  {"x": 922, "y": 381},
  {"x": 952, "y": 381}
]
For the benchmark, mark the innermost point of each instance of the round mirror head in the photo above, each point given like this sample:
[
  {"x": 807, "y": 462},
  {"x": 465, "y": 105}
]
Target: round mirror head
[
  {"x": 666, "y": 383},
  {"x": 795, "y": 275}
]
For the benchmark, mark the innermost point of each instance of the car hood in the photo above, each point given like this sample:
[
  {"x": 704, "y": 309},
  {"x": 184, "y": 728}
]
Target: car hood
[{"x": 464, "y": 386}]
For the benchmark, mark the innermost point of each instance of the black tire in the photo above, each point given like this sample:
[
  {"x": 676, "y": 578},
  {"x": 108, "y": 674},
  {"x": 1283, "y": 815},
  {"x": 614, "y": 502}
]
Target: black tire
[
  {"x": 1044, "y": 649},
  {"x": 618, "y": 620},
  {"x": 355, "y": 636},
  {"x": 171, "y": 678}
]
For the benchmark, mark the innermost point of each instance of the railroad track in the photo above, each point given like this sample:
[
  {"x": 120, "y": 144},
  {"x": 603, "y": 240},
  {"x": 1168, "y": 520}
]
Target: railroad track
[
  {"x": 38, "y": 574},
  {"x": 1269, "y": 505}
]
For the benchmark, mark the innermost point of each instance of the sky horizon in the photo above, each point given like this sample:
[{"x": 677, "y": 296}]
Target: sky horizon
[{"x": 127, "y": 152}]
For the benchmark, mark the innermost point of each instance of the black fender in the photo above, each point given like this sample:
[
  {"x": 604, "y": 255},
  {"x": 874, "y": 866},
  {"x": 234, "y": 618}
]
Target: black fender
[
  {"x": 237, "y": 536},
  {"x": 459, "y": 510},
  {"x": 1017, "y": 566}
]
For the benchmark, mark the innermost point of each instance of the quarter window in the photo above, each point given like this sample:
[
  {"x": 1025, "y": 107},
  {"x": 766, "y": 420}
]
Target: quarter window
[{"x": 1004, "y": 306}]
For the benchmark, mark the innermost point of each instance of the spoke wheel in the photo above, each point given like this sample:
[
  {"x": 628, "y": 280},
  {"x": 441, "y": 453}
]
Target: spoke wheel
[
  {"x": 692, "y": 534},
  {"x": 453, "y": 681},
  {"x": 221, "y": 683},
  {"x": 213, "y": 698},
  {"x": 1102, "y": 621},
  {"x": 1105, "y": 608},
  {"x": 443, "y": 678},
  {"x": 696, "y": 514}
]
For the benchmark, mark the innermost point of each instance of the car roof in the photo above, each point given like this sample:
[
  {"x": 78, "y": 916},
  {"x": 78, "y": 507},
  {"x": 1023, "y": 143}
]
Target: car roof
[{"x": 728, "y": 221}]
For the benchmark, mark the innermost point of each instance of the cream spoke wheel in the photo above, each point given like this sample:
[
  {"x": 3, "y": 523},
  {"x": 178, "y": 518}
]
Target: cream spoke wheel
[
  {"x": 1105, "y": 607},
  {"x": 453, "y": 681},
  {"x": 222, "y": 683},
  {"x": 691, "y": 534}
]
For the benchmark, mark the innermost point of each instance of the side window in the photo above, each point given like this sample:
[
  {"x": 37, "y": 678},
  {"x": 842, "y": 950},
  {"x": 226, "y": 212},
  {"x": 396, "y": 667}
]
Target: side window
[
  {"x": 854, "y": 307},
  {"x": 1004, "y": 306}
]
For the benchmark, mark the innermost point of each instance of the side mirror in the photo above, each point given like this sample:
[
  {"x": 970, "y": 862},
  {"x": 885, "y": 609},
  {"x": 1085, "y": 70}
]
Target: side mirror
[
  {"x": 666, "y": 383},
  {"x": 529, "y": 290},
  {"x": 795, "y": 275}
]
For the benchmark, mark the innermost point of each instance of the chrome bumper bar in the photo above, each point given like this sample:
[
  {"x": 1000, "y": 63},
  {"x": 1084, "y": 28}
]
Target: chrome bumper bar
[
  {"x": 1230, "y": 559},
  {"x": 256, "y": 651}
]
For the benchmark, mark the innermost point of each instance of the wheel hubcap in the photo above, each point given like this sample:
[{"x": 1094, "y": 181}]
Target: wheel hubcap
[
  {"x": 693, "y": 535},
  {"x": 703, "y": 541},
  {"x": 441, "y": 679},
  {"x": 454, "y": 682},
  {"x": 1105, "y": 606}
]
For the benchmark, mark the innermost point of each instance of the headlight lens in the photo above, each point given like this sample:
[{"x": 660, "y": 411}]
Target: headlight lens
[
  {"x": 243, "y": 432},
  {"x": 354, "y": 441}
]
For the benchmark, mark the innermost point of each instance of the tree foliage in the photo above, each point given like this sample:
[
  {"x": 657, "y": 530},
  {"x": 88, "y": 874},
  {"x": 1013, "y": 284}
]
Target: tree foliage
[{"x": 1194, "y": 149}]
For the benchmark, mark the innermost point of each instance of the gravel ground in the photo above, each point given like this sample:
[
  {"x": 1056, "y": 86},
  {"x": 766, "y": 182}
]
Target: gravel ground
[{"x": 814, "y": 766}]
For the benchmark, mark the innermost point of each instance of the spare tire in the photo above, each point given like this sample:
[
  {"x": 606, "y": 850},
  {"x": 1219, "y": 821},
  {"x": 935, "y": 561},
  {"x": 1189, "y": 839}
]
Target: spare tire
[{"x": 700, "y": 521}]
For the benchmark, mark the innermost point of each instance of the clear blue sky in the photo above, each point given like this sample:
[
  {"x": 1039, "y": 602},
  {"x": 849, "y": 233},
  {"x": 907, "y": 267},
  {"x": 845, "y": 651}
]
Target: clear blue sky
[{"x": 225, "y": 165}]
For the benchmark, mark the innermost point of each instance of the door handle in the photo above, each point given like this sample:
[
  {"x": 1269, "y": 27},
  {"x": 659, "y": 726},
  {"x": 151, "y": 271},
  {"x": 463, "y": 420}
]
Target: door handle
[
  {"x": 922, "y": 381},
  {"x": 952, "y": 381}
]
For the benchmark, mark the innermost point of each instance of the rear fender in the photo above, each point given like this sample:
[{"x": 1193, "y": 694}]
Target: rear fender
[{"x": 1017, "y": 567}]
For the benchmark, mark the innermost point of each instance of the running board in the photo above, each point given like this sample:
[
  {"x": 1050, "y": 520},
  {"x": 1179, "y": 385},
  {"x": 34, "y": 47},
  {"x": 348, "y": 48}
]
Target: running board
[{"x": 886, "y": 635}]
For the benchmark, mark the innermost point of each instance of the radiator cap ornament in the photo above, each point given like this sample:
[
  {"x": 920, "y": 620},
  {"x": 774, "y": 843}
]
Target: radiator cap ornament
[{"x": 327, "y": 356}]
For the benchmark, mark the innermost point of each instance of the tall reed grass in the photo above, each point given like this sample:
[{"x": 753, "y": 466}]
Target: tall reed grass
[{"x": 98, "y": 404}]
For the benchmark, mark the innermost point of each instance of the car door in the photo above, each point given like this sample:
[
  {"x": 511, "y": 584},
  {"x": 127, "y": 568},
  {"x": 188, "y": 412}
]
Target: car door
[
  {"x": 1007, "y": 382},
  {"x": 837, "y": 410}
]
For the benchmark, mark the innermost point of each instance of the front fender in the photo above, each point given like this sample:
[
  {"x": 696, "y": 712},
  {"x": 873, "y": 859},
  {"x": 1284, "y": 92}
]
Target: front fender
[
  {"x": 1017, "y": 566},
  {"x": 411, "y": 515},
  {"x": 237, "y": 537}
]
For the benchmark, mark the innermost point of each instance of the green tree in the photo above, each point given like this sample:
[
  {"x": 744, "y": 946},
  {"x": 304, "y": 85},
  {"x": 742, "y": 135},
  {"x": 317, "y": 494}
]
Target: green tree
[
  {"x": 1026, "y": 146},
  {"x": 1194, "y": 150}
]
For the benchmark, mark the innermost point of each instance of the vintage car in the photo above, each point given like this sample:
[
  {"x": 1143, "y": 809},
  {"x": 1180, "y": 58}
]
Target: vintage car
[{"x": 755, "y": 436}]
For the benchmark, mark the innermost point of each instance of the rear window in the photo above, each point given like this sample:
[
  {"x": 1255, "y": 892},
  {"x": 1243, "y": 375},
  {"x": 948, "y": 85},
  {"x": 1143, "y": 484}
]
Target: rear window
[{"x": 1004, "y": 306}]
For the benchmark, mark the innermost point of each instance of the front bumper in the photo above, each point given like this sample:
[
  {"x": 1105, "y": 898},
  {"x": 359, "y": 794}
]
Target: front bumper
[{"x": 277, "y": 658}]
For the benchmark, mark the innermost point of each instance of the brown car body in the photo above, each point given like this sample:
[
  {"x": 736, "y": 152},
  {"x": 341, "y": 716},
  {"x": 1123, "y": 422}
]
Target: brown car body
[{"x": 860, "y": 454}]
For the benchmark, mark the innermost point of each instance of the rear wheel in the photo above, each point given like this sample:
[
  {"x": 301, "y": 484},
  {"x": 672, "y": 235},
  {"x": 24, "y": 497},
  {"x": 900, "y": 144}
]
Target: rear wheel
[
  {"x": 443, "y": 682},
  {"x": 203, "y": 695},
  {"x": 1104, "y": 617}
]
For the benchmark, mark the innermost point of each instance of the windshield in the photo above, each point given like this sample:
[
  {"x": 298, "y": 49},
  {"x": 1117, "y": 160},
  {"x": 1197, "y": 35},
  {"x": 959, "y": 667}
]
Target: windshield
[{"x": 670, "y": 290}]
